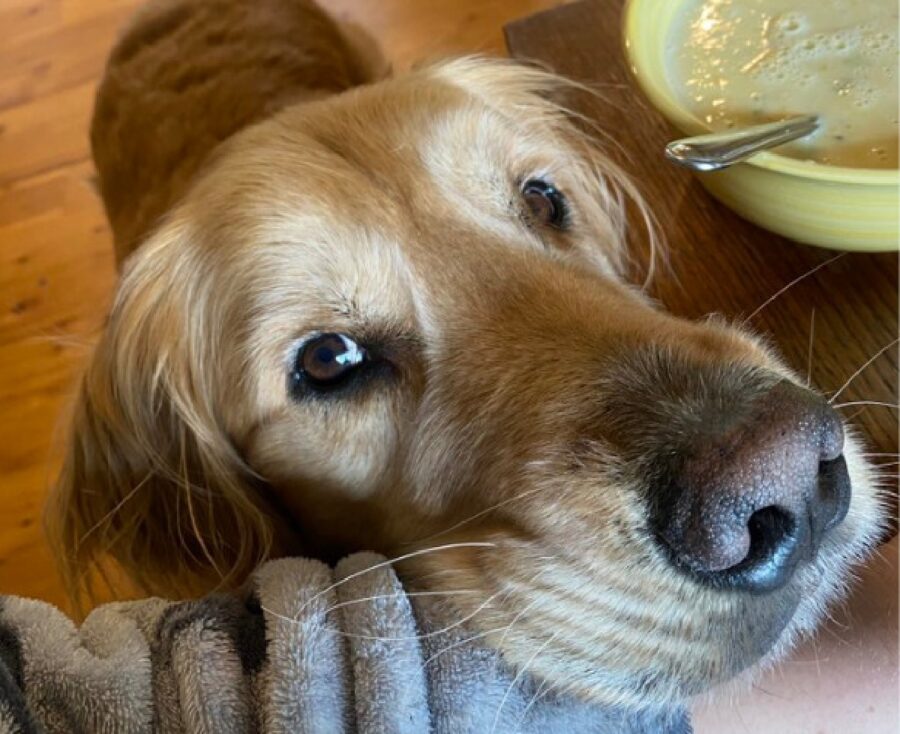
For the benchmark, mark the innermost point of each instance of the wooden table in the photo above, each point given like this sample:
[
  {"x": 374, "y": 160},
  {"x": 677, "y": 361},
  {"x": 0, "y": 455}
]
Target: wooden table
[{"x": 719, "y": 262}]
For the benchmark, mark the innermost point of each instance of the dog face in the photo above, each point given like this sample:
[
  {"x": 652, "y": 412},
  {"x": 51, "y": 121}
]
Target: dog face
[{"x": 398, "y": 319}]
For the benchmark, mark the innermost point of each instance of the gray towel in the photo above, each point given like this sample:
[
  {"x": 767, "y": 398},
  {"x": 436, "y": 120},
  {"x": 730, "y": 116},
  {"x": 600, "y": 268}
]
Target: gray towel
[{"x": 307, "y": 650}]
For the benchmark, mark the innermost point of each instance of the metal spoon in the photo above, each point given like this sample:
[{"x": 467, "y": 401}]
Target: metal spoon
[{"x": 720, "y": 150}]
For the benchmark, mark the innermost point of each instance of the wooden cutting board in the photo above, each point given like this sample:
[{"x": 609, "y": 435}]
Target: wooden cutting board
[{"x": 847, "y": 310}]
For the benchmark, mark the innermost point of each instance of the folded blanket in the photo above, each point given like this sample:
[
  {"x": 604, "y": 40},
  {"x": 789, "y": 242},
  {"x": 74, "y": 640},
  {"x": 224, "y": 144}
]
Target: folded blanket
[{"x": 307, "y": 650}]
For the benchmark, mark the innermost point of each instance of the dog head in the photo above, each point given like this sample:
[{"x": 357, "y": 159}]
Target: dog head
[{"x": 399, "y": 319}]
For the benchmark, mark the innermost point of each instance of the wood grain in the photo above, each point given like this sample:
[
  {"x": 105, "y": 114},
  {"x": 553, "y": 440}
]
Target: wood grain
[
  {"x": 56, "y": 261},
  {"x": 720, "y": 263}
]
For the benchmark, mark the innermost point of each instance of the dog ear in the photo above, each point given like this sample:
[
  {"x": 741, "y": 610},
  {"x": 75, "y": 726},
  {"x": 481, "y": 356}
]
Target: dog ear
[{"x": 150, "y": 479}]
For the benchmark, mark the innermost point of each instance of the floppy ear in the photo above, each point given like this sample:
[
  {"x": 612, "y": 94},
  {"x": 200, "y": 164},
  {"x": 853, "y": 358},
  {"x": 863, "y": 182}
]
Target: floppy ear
[{"x": 150, "y": 478}]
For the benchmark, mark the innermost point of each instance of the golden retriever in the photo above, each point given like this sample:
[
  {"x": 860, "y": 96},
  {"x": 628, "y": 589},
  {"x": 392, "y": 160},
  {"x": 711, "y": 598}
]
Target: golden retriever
[{"x": 394, "y": 314}]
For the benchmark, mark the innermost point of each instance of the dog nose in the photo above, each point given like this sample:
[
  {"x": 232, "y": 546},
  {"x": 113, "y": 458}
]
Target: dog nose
[{"x": 750, "y": 498}]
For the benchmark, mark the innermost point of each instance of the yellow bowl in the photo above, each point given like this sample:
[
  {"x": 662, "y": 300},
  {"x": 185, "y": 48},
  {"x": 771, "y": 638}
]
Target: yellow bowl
[{"x": 829, "y": 206}]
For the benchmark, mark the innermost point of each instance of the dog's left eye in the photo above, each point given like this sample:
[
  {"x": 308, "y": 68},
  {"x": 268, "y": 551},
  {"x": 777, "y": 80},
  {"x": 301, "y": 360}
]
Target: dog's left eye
[
  {"x": 327, "y": 360},
  {"x": 545, "y": 202}
]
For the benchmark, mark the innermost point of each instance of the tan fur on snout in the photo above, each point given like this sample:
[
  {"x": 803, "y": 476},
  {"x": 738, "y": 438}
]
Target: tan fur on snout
[{"x": 520, "y": 380}]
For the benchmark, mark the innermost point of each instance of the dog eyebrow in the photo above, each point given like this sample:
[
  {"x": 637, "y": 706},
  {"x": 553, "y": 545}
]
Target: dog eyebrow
[
  {"x": 405, "y": 345},
  {"x": 347, "y": 155}
]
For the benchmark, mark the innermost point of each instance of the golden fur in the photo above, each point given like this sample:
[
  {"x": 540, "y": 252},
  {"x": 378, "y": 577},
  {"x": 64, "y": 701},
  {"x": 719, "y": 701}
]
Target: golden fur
[{"x": 391, "y": 212}]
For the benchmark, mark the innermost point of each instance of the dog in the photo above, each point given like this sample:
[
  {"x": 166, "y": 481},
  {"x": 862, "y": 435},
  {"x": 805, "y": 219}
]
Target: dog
[{"x": 393, "y": 313}]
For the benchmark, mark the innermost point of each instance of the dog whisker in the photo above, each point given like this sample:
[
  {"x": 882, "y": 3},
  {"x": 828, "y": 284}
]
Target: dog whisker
[
  {"x": 865, "y": 402},
  {"x": 768, "y": 692},
  {"x": 812, "y": 336},
  {"x": 391, "y": 561},
  {"x": 794, "y": 282},
  {"x": 869, "y": 361},
  {"x": 402, "y": 638},
  {"x": 801, "y": 663},
  {"x": 486, "y": 511},
  {"x": 477, "y": 515},
  {"x": 400, "y": 595},
  {"x": 435, "y": 574},
  {"x": 543, "y": 689},
  {"x": 519, "y": 675},
  {"x": 815, "y": 647},
  {"x": 464, "y": 641},
  {"x": 521, "y": 613}
]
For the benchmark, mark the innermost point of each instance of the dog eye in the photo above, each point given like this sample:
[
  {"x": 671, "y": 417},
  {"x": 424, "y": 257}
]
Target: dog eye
[
  {"x": 545, "y": 202},
  {"x": 327, "y": 360}
]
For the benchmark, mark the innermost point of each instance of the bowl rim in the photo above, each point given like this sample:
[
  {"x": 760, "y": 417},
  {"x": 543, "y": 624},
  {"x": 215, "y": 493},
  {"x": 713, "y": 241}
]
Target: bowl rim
[{"x": 657, "y": 91}]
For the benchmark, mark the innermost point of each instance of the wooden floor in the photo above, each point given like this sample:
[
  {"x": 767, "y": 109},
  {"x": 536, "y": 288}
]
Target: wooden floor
[{"x": 56, "y": 264}]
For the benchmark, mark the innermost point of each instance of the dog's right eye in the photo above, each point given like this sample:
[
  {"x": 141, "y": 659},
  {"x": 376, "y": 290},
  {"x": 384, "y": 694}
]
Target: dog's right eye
[
  {"x": 545, "y": 202},
  {"x": 327, "y": 361}
]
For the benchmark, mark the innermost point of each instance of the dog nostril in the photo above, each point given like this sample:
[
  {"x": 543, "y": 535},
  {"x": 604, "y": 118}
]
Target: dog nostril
[
  {"x": 774, "y": 550},
  {"x": 772, "y": 555},
  {"x": 753, "y": 497},
  {"x": 768, "y": 527}
]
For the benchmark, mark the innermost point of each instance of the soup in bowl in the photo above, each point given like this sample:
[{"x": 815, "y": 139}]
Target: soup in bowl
[{"x": 714, "y": 65}]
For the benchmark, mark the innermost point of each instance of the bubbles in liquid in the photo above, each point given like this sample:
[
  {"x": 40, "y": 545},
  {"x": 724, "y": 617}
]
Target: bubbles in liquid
[
  {"x": 790, "y": 59},
  {"x": 790, "y": 23},
  {"x": 833, "y": 57},
  {"x": 875, "y": 41},
  {"x": 865, "y": 96},
  {"x": 842, "y": 87},
  {"x": 840, "y": 41}
]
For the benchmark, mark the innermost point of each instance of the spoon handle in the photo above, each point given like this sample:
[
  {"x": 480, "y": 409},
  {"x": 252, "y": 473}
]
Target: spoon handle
[{"x": 720, "y": 150}]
